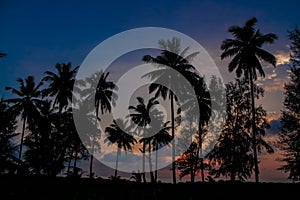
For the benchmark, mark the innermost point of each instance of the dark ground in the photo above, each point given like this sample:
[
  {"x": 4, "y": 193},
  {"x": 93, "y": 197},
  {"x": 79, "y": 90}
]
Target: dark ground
[{"x": 44, "y": 188}]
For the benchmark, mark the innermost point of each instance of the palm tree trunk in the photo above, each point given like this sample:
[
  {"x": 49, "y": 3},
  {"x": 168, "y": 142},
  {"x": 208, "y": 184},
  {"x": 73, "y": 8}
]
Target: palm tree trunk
[
  {"x": 256, "y": 169},
  {"x": 150, "y": 164},
  {"x": 193, "y": 171},
  {"x": 21, "y": 145},
  {"x": 143, "y": 164},
  {"x": 91, "y": 161},
  {"x": 75, "y": 162},
  {"x": 22, "y": 138},
  {"x": 116, "y": 169},
  {"x": 156, "y": 161},
  {"x": 173, "y": 138},
  {"x": 199, "y": 151},
  {"x": 69, "y": 164},
  {"x": 91, "y": 167}
]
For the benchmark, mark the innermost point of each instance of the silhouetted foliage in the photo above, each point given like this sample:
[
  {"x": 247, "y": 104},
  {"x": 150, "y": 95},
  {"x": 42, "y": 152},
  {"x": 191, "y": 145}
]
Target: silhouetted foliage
[
  {"x": 233, "y": 154},
  {"x": 26, "y": 103},
  {"x": 61, "y": 84},
  {"x": 141, "y": 116},
  {"x": 118, "y": 134},
  {"x": 188, "y": 161},
  {"x": 75, "y": 150},
  {"x": 97, "y": 93},
  {"x": 246, "y": 50},
  {"x": 137, "y": 176},
  {"x": 8, "y": 125},
  {"x": 289, "y": 140},
  {"x": 170, "y": 58}
]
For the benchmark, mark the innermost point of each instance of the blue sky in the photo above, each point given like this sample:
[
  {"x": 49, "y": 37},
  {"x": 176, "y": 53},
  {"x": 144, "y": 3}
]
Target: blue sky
[{"x": 38, "y": 34}]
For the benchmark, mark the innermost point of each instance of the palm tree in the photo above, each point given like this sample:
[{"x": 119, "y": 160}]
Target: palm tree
[
  {"x": 141, "y": 116},
  {"x": 246, "y": 50},
  {"x": 26, "y": 103},
  {"x": 105, "y": 97},
  {"x": 61, "y": 85},
  {"x": 117, "y": 134},
  {"x": 174, "y": 58},
  {"x": 160, "y": 139},
  {"x": 204, "y": 105}
]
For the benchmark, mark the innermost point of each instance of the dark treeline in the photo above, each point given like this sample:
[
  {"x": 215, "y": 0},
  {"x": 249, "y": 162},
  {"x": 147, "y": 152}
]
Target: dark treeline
[{"x": 49, "y": 142}]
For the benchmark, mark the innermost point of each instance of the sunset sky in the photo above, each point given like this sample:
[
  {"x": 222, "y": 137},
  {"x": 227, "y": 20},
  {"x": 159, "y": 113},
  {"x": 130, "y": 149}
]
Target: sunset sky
[{"x": 38, "y": 34}]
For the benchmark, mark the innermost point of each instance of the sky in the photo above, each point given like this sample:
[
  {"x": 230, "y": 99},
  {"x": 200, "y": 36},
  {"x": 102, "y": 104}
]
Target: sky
[{"x": 38, "y": 34}]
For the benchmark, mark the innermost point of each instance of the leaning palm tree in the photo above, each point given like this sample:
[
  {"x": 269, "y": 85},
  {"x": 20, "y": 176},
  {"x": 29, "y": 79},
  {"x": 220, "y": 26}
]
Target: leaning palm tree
[
  {"x": 61, "y": 85},
  {"x": 246, "y": 50},
  {"x": 117, "y": 134},
  {"x": 172, "y": 57},
  {"x": 141, "y": 116},
  {"x": 25, "y": 104}
]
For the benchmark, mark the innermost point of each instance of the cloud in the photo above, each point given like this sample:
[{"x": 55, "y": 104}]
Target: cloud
[
  {"x": 282, "y": 57},
  {"x": 275, "y": 78},
  {"x": 275, "y": 85},
  {"x": 129, "y": 157}
]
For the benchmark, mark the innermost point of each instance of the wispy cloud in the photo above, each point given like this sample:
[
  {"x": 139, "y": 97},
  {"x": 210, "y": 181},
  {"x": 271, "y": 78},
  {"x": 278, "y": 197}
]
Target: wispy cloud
[
  {"x": 282, "y": 57},
  {"x": 275, "y": 85}
]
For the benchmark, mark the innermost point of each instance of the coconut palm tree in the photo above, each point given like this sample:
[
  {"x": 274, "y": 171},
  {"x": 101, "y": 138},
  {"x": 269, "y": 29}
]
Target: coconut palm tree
[
  {"x": 172, "y": 57},
  {"x": 104, "y": 98},
  {"x": 246, "y": 50},
  {"x": 141, "y": 116},
  {"x": 25, "y": 104},
  {"x": 160, "y": 139},
  {"x": 61, "y": 85},
  {"x": 117, "y": 134}
]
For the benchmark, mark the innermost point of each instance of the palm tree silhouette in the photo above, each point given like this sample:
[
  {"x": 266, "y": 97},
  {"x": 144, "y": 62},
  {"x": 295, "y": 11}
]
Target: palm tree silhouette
[
  {"x": 29, "y": 94},
  {"x": 247, "y": 52},
  {"x": 105, "y": 95},
  {"x": 141, "y": 116},
  {"x": 117, "y": 134},
  {"x": 204, "y": 105},
  {"x": 160, "y": 139},
  {"x": 105, "y": 98},
  {"x": 172, "y": 57},
  {"x": 61, "y": 85}
]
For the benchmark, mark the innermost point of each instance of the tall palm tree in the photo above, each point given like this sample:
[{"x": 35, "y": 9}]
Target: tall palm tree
[
  {"x": 246, "y": 50},
  {"x": 105, "y": 98},
  {"x": 204, "y": 105},
  {"x": 117, "y": 135},
  {"x": 25, "y": 104},
  {"x": 141, "y": 116},
  {"x": 61, "y": 85},
  {"x": 174, "y": 58}
]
